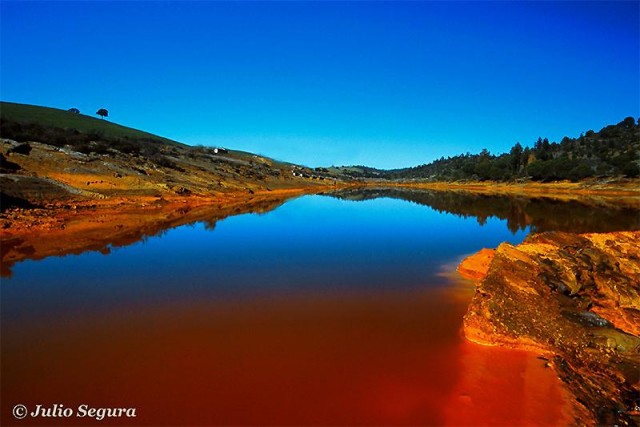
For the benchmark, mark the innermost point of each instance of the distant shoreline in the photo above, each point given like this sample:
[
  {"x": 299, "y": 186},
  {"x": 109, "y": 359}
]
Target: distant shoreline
[
  {"x": 20, "y": 220},
  {"x": 559, "y": 189},
  {"x": 59, "y": 226}
]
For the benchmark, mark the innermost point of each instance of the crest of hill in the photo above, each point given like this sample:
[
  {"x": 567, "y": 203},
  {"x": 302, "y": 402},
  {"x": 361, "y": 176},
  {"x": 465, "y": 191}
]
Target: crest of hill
[
  {"x": 42, "y": 120},
  {"x": 90, "y": 135},
  {"x": 48, "y": 155}
]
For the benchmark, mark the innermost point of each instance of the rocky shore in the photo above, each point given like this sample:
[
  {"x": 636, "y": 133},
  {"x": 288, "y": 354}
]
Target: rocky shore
[{"x": 575, "y": 300}]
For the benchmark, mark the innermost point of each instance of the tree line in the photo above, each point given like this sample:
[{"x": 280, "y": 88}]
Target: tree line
[{"x": 613, "y": 151}]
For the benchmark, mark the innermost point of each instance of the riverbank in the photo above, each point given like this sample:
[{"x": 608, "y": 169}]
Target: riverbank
[
  {"x": 565, "y": 190},
  {"x": 77, "y": 226},
  {"x": 79, "y": 222},
  {"x": 573, "y": 299}
]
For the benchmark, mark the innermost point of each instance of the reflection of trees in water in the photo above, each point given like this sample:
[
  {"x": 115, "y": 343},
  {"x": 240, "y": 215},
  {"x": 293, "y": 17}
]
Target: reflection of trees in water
[
  {"x": 125, "y": 229},
  {"x": 538, "y": 213}
]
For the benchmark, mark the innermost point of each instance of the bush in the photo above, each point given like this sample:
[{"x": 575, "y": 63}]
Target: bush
[
  {"x": 23, "y": 148},
  {"x": 164, "y": 161},
  {"x": 83, "y": 147},
  {"x": 631, "y": 170},
  {"x": 580, "y": 172},
  {"x": 125, "y": 146}
]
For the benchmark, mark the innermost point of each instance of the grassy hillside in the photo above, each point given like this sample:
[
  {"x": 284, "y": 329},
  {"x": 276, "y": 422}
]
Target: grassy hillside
[
  {"x": 92, "y": 136},
  {"x": 49, "y": 155},
  {"x": 46, "y": 117},
  {"x": 86, "y": 134}
]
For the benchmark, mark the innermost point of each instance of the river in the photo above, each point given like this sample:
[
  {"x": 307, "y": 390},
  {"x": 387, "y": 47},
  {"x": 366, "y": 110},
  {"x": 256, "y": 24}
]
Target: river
[{"x": 326, "y": 310}]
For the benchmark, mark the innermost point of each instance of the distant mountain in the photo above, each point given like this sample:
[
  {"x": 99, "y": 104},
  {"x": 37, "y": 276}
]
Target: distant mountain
[{"x": 614, "y": 151}]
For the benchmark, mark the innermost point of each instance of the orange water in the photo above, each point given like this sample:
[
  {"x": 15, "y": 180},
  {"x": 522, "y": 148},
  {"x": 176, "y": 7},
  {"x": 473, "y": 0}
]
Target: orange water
[{"x": 377, "y": 358}]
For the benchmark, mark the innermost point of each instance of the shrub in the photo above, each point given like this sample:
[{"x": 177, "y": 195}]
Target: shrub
[
  {"x": 23, "y": 148},
  {"x": 631, "y": 170},
  {"x": 164, "y": 161},
  {"x": 579, "y": 172}
]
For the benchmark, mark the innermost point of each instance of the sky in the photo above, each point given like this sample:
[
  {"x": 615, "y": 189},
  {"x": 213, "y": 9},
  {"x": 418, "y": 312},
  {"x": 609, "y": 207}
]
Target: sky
[{"x": 384, "y": 84}]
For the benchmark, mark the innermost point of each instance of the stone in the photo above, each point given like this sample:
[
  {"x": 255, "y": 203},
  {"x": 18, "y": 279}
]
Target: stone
[{"x": 571, "y": 297}]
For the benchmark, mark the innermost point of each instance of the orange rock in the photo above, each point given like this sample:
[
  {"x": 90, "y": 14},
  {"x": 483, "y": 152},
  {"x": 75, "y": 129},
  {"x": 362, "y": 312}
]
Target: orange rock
[
  {"x": 475, "y": 266},
  {"x": 573, "y": 297}
]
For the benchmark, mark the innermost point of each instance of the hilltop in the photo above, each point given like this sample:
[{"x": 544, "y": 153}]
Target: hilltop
[
  {"x": 23, "y": 122},
  {"x": 49, "y": 155}
]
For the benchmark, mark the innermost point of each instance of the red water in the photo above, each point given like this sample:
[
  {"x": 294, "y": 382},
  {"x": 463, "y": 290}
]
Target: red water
[{"x": 373, "y": 359}]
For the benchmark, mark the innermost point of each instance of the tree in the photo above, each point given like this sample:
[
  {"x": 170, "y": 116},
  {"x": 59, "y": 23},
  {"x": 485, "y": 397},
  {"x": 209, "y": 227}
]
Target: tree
[
  {"x": 516, "y": 154},
  {"x": 74, "y": 110},
  {"x": 538, "y": 145},
  {"x": 628, "y": 122},
  {"x": 542, "y": 147},
  {"x": 485, "y": 154},
  {"x": 102, "y": 113}
]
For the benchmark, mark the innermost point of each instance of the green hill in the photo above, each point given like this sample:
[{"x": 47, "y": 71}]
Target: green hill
[
  {"x": 96, "y": 158},
  {"x": 90, "y": 135},
  {"x": 614, "y": 151},
  {"x": 21, "y": 117}
]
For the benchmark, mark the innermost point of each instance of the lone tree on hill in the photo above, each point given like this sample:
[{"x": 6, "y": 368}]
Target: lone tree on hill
[
  {"x": 102, "y": 113},
  {"x": 74, "y": 110}
]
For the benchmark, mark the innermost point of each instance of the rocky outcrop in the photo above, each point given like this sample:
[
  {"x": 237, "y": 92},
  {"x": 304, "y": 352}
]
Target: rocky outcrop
[
  {"x": 475, "y": 267},
  {"x": 575, "y": 299}
]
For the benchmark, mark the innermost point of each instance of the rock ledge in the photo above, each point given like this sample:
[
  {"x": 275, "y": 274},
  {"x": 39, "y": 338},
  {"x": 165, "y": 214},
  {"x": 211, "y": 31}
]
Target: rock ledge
[{"x": 574, "y": 299}]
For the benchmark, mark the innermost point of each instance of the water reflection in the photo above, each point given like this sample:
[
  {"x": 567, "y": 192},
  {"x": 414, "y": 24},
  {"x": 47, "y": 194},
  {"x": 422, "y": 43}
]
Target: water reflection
[
  {"x": 102, "y": 231},
  {"x": 320, "y": 312},
  {"x": 312, "y": 244},
  {"x": 582, "y": 215}
]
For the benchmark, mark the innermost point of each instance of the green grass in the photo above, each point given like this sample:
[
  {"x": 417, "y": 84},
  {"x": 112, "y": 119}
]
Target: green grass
[{"x": 53, "y": 117}]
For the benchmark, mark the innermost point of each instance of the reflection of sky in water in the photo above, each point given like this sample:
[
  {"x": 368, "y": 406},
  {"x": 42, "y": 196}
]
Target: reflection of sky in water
[
  {"x": 341, "y": 318},
  {"x": 314, "y": 243}
]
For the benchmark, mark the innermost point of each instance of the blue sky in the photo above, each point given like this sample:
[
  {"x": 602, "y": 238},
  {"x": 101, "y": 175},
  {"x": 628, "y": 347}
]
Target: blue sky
[{"x": 386, "y": 84}]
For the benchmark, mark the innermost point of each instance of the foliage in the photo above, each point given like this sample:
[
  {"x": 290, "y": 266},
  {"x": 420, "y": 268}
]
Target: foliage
[
  {"x": 102, "y": 113},
  {"x": 613, "y": 151},
  {"x": 104, "y": 140}
]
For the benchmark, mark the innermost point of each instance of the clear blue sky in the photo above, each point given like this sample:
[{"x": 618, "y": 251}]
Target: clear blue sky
[{"x": 387, "y": 84}]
